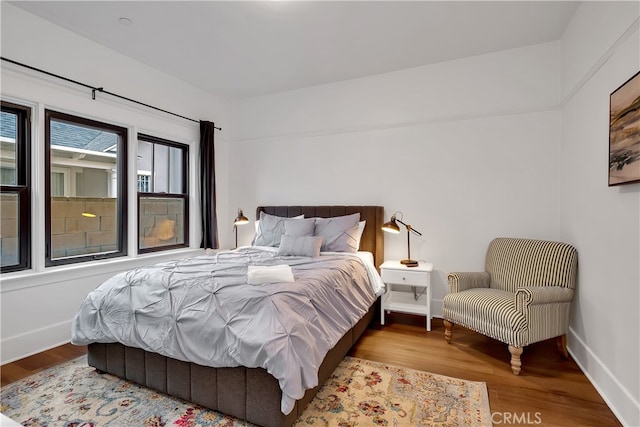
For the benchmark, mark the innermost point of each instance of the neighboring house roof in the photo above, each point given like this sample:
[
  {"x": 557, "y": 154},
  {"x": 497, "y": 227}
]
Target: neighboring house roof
[{"x": 66, "y": 135}]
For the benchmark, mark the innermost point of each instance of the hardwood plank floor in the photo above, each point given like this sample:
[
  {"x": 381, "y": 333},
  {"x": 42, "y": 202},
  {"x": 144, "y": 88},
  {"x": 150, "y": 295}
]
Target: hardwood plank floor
[
  {"x": 550, "y": 391},
  {"x": 39, "y": 362}
]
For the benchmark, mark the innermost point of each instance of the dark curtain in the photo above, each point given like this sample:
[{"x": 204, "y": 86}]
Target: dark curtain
[{"x": 208, "y": 186}]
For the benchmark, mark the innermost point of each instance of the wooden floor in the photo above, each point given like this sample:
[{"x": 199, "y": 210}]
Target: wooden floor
[
  {"x": 550, "y": 391},
  {"x": 39, "y": 362}
]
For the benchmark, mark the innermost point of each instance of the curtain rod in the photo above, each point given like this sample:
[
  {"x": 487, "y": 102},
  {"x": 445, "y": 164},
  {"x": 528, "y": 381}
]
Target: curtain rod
[{"x": 99, "y": 89}]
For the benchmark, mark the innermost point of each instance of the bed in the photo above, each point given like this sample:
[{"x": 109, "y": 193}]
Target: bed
[{"x": 248, "y": 393}]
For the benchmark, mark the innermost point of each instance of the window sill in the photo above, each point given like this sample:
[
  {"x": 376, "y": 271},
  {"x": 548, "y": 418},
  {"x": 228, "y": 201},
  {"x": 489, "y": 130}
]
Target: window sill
[{"x": 52, "y": 275}]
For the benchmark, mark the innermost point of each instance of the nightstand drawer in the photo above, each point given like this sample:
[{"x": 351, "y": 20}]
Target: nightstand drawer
[{"x": 412, "y": 278}]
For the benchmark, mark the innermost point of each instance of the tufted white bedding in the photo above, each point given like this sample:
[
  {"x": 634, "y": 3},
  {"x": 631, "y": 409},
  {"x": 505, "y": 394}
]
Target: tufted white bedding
[{"x": 203, "y": 311}]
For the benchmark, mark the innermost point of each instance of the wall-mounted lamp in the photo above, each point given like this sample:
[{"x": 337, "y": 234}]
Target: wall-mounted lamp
[
  {"x": 392, "y": 227},
  {"x": 240, "y": 220}
]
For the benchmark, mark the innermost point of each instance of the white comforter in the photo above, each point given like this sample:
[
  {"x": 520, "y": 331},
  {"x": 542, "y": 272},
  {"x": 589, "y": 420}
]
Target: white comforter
[{"x": 202, "y": 310}]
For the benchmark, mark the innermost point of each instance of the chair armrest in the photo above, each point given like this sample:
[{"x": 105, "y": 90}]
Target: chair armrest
[
  {"x": 534, "y": 295},
  {"x": 459, "y": 282}
]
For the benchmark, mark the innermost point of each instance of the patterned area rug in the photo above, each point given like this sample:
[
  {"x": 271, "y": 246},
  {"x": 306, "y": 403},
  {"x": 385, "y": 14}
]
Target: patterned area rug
[{"x": 359, "y": 393}]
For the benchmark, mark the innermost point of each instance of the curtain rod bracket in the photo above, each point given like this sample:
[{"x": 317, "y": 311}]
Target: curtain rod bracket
[{"x": 93, "y": 92}]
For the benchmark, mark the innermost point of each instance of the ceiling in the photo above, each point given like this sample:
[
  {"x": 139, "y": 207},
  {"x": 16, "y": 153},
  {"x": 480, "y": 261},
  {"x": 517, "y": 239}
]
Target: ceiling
[{"x": 237, "y": 49}]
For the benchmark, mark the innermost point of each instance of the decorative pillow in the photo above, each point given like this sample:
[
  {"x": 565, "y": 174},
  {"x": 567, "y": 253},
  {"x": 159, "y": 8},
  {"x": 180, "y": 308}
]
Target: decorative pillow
[
  {"x": 269, "y": 228},
  {"x": 300, "y": 245},
  {"x": 299, "y": 227},
  {"x": 339, "y": 233}
]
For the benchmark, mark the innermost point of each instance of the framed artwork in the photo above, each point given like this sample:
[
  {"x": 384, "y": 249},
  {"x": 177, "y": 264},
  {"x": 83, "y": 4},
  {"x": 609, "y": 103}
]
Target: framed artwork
[{"x": 624, "y": 133}]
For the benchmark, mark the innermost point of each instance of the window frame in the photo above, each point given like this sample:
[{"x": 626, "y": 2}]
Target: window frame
[
  {"x": 23, "y": 184},
  {"x": 122, "y": 186},
  {"x": 184, "y": 195}
]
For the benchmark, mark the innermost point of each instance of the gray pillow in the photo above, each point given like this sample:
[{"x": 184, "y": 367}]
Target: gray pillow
[
  {"x": 300, "y": 245},
  {"x": 299, "y": 227},
  {"x": 270, "y": 229},
  {"x": 339, "y": 234}
]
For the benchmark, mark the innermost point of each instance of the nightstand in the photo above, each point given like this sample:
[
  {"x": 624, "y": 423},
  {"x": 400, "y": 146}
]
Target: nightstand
[{"x": 415, "y": 280}]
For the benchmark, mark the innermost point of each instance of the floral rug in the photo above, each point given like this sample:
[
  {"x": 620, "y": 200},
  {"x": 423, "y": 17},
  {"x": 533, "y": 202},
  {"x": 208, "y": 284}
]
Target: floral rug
[{"x": 359, "y": 393}]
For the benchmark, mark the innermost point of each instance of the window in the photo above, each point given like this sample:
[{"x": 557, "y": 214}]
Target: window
[
  {"x": 163, "y": 198},
  {"x": 144, "y": 183},
  {"x": 15, "y": 197},
  {"x": 60, "y": 182},
  {"x": 85, "y": 189}
]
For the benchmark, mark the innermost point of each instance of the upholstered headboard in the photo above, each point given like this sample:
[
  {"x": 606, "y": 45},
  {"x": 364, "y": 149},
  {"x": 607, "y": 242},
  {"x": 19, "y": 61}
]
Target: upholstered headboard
[{"x": 372, "y": 239}]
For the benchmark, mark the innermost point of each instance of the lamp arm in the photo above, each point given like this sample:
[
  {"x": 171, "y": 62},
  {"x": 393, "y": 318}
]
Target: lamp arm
[{"x": 409, "y": 227}]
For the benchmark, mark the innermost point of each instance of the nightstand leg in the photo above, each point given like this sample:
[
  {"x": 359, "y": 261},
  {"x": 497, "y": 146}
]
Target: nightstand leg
[{"x": 429, "y": 308}]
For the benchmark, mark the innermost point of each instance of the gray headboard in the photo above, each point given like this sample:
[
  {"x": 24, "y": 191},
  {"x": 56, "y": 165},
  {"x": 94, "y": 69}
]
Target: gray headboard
[{"x": 372, "y": 238}]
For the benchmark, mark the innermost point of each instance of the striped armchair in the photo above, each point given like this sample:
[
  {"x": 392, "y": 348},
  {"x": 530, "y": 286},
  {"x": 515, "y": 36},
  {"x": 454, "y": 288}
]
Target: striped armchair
[{"x": 523, "y": 296}]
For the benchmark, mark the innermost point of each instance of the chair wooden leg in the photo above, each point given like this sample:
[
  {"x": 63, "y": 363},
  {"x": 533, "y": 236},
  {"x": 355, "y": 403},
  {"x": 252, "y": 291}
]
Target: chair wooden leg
[
  {"x": 561, "y": 342},
  {"x": 448, "y": 329},
  {"x": 516, "y": 363}
]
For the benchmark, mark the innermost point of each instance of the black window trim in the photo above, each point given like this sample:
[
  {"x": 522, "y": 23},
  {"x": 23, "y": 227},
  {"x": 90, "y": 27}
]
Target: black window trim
[
  {"x": 23, "y": 184},
  {"x": 184, "y": 195},
  {"x": 122, "y": 199}
]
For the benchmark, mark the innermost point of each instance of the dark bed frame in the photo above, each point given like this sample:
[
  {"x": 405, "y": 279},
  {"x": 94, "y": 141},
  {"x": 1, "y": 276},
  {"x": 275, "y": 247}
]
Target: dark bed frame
[{"x": 249, "y": 394}]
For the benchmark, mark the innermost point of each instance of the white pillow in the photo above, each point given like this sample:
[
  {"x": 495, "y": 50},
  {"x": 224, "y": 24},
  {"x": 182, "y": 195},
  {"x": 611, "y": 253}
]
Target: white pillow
[{"x": 361, "y": 226}]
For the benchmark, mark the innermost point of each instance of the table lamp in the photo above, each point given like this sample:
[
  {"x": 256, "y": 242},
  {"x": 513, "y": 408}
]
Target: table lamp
[
  {"x": 392, "y": 227},
  {"x": 240, "y": 220}
]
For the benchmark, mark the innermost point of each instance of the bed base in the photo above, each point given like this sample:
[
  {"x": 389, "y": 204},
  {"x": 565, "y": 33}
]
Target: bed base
[{"x": 249, "y": 394}]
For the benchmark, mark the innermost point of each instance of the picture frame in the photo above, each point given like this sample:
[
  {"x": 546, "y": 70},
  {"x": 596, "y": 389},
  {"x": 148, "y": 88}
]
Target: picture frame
[{"x": 624, "y": 133}]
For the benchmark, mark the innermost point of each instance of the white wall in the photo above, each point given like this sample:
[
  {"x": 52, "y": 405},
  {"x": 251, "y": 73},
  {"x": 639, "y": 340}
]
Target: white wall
[
  {"x": 601, "y": 50},
  {"x": 37, "y": 306},
  {"x": 468, "y": 150}
]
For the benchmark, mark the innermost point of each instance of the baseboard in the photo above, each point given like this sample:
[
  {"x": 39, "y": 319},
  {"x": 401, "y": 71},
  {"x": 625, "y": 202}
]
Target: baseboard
[
  {"x": 624, "y": 406},
  {"x": 33, "y": 342}
]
